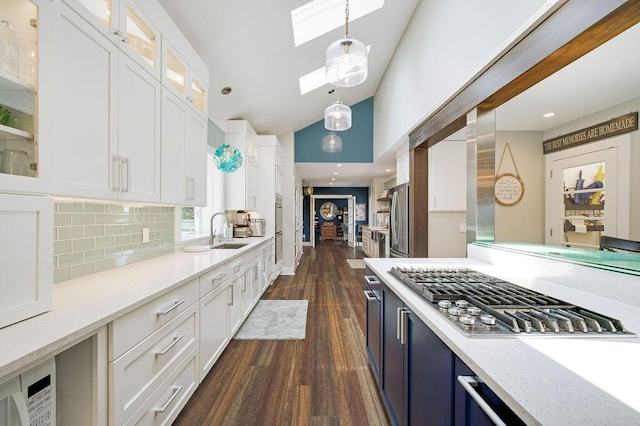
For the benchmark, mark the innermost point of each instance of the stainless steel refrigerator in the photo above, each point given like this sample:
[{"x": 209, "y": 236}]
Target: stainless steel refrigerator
[{"x": 399, "y": 221}]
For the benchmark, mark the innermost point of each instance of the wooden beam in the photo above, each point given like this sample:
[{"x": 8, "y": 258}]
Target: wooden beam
[
  {"x": 419, "y": 202},
  {"x": 575, "y": 29}
]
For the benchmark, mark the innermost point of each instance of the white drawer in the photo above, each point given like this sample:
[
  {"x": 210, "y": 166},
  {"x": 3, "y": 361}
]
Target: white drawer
[
  {"x": 214, "y": 278},
  {"x": 128, "y": 330},
  {"x": 137, "y": 374},
  {"x": 164, "y": 405}
]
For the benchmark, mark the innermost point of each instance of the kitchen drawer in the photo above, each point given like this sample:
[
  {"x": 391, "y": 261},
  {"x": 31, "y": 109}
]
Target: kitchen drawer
[
  {"x": 164, "y": 405},
  {"x": 128, "y": 330},
  {"x": 242, "y": 262},
  {"x": 214, "y": 278},
  {"x": 267, "y": 249},
  {"x": 137, "y": 374}
]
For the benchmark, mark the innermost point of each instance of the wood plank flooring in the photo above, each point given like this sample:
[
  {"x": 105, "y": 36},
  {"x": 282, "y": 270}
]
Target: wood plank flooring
[{"x": 324, "y": 379}]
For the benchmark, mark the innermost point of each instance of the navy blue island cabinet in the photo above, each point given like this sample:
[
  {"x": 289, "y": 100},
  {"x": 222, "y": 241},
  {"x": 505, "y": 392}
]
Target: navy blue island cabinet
[
  {"x": 417, "y": 368},
  {"x": 421, "y": 379}
]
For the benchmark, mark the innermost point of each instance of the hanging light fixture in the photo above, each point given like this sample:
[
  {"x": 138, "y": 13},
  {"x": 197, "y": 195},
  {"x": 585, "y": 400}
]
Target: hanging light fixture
[
  {"x": 227, "y": 158},
  {"x": 346, "y": 59},
  {"x": 332, "y": 143},
  {"x": 337, "y": 116}
]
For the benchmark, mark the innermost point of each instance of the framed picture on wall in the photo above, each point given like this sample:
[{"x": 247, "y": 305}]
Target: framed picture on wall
[{"x": 361, "y": 211}]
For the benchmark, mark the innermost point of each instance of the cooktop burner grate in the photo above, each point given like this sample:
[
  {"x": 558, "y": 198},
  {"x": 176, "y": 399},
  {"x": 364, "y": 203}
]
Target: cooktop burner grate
[{"x": 482, "y": 305}]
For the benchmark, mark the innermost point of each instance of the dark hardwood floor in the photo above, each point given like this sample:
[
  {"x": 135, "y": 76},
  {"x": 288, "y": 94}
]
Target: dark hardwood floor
[{"x": 324, "y": 379}]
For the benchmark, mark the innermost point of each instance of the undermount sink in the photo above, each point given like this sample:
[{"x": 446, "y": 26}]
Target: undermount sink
[{"x": 229, "y": 246}]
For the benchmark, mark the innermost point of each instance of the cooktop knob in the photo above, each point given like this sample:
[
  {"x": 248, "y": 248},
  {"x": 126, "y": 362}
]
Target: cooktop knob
[
  {"x": 474, "y": 310},
  {"x": 444, "y": 304},
  {"x": 462, "y": 304},
  {"x": 488, "y": 319},
  {"x": 468, "y": 320},
  {"x": 455, "y": 311}
]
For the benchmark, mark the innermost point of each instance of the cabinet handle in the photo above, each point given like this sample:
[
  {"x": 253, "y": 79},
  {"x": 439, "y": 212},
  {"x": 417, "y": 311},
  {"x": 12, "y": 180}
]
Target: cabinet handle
[
  {"x": 231, "y": 292},
  {"x": 219, "y": 277},
  {"x": 176, "y": 390},
  {"x": 117, "y": 33},
  {"x": 187, "y": 188},
  {"x": 398, "y": 320},
  {"x": 126, "y": 40},
  {"x": 175, "y": 305},
  {"x": 469, "y": 383},
  {"x": 371, "y": 279},
  {"x": 244, "y": 283},
  {"x": 237, "y": 267},
  {"x": 115, "y": 171},
  {"x": 174, "y": 342},
  {"x": 193, "y": 188},
  {"x": 403, "y": 326},
  {"x": 127, "y": 180},
  {"x": 369, "y": 296}
]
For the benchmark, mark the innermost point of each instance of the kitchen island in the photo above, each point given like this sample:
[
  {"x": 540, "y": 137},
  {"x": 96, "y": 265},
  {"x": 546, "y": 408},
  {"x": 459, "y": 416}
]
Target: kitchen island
[{"x": 546, "y": 380}]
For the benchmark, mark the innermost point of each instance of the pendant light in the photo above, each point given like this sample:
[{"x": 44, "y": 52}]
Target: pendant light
[
  {"x": 227, "y": 158},
  {"x": 346, "y": 59},
  {"x": 332, "y": 143},
  {"x": 337, "y": 116}
]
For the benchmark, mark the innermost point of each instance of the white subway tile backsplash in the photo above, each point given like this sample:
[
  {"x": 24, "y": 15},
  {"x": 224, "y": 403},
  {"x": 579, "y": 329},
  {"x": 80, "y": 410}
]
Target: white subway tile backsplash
[{"x": 93, "y": 237}]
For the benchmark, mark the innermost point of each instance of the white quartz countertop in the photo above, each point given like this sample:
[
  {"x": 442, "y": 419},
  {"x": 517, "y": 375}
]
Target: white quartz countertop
[
  {"x": 545, "y": 380},
  {"x": 82, "y": 305}
]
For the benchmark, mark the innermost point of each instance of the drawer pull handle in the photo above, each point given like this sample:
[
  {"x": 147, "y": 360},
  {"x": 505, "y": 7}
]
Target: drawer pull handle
[
  {"x": 175, "y": 341},
  {"x": 176, "y": 391},
  {"x": 219, "y": 277},
  {"x": 369, "y": 295},
  {"x": 469, "y": 383},
  {"x": 175, "y": 305},
  {"x": 237, "y": 267}
]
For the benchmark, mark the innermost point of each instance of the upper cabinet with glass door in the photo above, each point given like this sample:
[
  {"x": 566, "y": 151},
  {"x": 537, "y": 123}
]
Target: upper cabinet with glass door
[
  {"x": 21, "y": 29},
  {"x": 180, "y": 78},
  {"x": 126, "y": 25}
]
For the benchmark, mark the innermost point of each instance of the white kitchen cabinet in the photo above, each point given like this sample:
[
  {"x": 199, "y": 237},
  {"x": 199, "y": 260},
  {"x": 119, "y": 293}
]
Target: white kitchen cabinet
[
  {"x": 246, "y": 299},
  {"x": 242, "y": 186},
  {"x": 84, "y": 125},
  {"x": 235, "y": 309},
  {"x": 25, "y": 91},
  {"x": 124, "y": 24},
  {"x": 182, "y": 79},
  {"x": 254, "y": 277},
  {"x": 107, "y": 129},
  {"x": 26, "y": 257},
  {"x": 138, "y": 155},
  {"x": 214, "y": 327},
  {"x": 184, "y": 167}
]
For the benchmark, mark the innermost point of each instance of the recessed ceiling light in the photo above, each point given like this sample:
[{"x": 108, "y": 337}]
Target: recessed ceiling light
[
  {"x": 338, "y": 165},
  {"x": 330, "y": 183},
  {"x": 333, "y": 178},
  {"x": 549, "y": 114},
  {"x": 321, "y": 16},
  {"x": 388, "y": 170},
  {"x": 314, "y": 79},
  {"x": 335, "y": 173}
]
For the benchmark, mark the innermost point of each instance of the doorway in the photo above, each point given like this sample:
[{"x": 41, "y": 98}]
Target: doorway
[
  {"x": 588, "y": 193},
  {"x": 350, "y": 217}
]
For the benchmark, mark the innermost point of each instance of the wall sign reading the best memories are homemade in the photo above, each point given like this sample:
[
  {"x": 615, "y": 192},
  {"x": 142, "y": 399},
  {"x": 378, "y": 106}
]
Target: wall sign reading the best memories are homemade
[{"x": 616, "y": 126}]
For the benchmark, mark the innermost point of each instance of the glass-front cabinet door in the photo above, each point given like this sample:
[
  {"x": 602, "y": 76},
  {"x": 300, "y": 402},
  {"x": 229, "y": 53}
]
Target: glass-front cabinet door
[
  {"x": 19, "y": 81},
  {"x": 174, "y": 71},
  {"x": 140, "y": 36},
  {"x": 198, "y": 94}
]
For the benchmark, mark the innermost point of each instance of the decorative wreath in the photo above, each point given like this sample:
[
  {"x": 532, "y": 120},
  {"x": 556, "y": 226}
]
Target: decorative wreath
[{"x": 227, "y": 158}]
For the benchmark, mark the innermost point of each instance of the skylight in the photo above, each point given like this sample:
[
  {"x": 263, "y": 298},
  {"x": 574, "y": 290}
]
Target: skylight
[
  {"x": 315, "y": 79},
  {"x": 321, "y": 16}
]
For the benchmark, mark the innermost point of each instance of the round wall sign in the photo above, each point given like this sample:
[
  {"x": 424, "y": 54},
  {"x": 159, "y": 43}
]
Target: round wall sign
[{"x": 509, "y": 189}]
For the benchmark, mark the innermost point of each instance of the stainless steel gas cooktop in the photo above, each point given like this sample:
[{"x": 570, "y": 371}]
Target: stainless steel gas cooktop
[{"x": 483, "y": 306}]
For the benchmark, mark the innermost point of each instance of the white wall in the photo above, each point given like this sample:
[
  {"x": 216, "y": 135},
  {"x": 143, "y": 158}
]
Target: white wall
[
  {"x": 602, "y": 116},
  {"x": 444, "y": 46},
  {"x": 523, "y": 222}
]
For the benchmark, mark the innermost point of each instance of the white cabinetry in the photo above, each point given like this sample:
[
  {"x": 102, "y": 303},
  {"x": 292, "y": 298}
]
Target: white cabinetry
[
  {"x": 270, "y": 184},
  {"x": 242, "y": 186},
  {"x": 26, "y": 257},
  {"x": 25, "y": 91},
  {"x": 214, "y": 327},
  {"x": 184, "y": 167},
  {"x": 106, "y": 127},
  {"x": 235, "y": 308},
  {"x": 139, "y": 373}
]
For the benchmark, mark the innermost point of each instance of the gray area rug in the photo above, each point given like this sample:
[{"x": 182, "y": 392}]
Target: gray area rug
[
  {"x": 275, "y": 320},
  {"x": 356, "y": 263}
]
